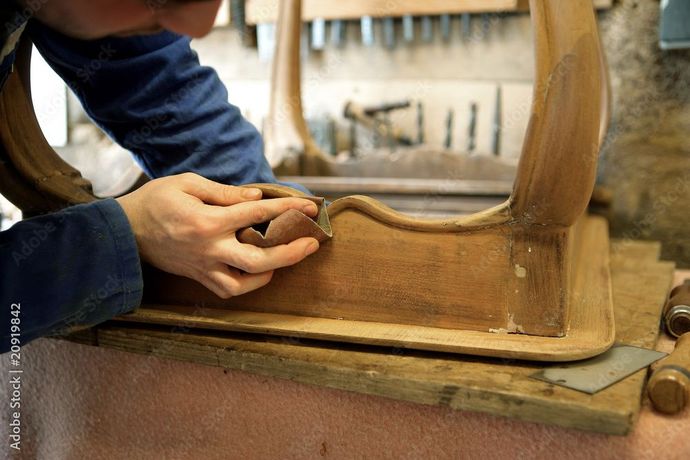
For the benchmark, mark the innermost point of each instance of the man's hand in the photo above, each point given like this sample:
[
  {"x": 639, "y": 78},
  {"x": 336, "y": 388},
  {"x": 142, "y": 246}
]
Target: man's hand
[{"x": 186, "y": 225}]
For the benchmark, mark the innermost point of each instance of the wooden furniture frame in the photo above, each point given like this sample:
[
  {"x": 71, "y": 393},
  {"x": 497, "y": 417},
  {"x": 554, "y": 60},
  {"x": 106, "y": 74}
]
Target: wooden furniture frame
[{"x": 526, "y": 279}]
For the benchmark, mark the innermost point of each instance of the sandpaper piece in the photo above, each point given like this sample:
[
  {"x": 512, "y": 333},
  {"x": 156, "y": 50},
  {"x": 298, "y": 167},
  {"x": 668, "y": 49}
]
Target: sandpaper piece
[{"x": 288, "y": 227}]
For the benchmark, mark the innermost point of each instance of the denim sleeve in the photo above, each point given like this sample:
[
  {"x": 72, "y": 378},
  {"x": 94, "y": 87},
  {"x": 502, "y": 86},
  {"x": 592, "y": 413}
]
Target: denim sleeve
[
  {"x": 70, "y": 269},
  {"x": 151, "y": 95}
]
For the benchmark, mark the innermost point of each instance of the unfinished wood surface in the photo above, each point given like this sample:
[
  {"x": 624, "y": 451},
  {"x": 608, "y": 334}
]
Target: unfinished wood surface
[
  {"x": 260, "y": 11},
  {"x": 499, "y": 387},
  {"x": 403, "y": 318}
]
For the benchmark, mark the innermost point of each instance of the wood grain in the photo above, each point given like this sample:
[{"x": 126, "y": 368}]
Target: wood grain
[
  {"x": 401, "y": 317},
  {"x": 500, "y": 387}
]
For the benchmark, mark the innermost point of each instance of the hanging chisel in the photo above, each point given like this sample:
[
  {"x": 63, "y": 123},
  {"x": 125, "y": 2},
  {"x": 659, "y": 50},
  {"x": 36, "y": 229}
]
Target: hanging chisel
[
  {"x": 496, "y": 140},
  {"x": 486, "y": 25},
  {"x": 408, "y": 28},
  {"x": 466, "y": 26},
  {"x": 318, "y": 34},
  {"x": 389, "y": 32},
  {"x": 449, "y": 129},
  {"x": 266, "y": 41},
  {"x": 420, "y": 123},
  {"x": 427, "y": 29},
  {"x": 445, "y": 27},
  {"x": 367, "y": 24},
  {"x": 472, "y": 128},
  {"x": 338, "y": 33}
]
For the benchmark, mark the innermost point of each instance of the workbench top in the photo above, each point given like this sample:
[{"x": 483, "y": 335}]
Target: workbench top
[{"x": 89, "y": 402}]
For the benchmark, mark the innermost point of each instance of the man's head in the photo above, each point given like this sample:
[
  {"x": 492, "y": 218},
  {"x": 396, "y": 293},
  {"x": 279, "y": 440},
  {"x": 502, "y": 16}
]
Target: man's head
[{"x": 91, "y": 19}]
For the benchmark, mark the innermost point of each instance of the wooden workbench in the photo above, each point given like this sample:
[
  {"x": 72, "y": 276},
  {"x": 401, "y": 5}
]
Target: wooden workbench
[{"x": 500, "y": 387}]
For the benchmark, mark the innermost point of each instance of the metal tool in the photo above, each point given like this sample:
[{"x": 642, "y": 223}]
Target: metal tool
[
  {"x": 472, "y": 128},
  {"x": 486, "y": 25},
  {"x": 266, "y": 41},
  {"x": 466, "y": 23},
  {"x": 318, "y": 34},
  {"x": 445, "y": 27},
  {"x": 677, "y": 310},
  {"x": 449, "y": 129},
  {"x": 377, "y": 118},
  {"x": 353, "y": 138},
  {"x": 408, "y": 28},
  {"x": 389, "y": 32},
  {"x": 368, "y": 38},
  {"x": 669, "y": 385},
  {"x": 338, "y": 32},
  {"x": 238, "y": 20},
  {"x": 496, "y": 139},
  {"x": 598, "y": 373},
  {"x": 427, "y": 29},
  {"x": 420, "y": 123}
]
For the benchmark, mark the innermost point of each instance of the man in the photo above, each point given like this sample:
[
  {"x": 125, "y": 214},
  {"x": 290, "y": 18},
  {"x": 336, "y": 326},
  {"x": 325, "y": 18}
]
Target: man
[{"x": 130, "y": 64}]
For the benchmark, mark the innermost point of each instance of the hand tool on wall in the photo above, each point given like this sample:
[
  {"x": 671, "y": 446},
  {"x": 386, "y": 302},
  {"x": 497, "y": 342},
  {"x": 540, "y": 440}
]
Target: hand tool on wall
[
  {"x": 408, "y": 28},
  {"x": 496, "y": 139},
  {"x": 486, "y": 25},
  {"x": 389, "y": 32},
  {"x": 353, "y": 138},
  {"x": 382, "y": 127},
  {"x": 338, "y": 32},
  {"x": 448, "y": 143},
  {"x": 420, "y": 123},
  {"x": 669, "y": 386},
  {"x": 238, "y": 20},
  {"x": 318, "y": 34},
  {"x": 367, "y": 24},
  {"x": 445, "y": 27},
  {"x": 427, "y": 29},
  {"x": 472, "y": 128},
  {"x": 677, "y": 310},
  {"x": 265, "y": 39},
  {"x": 466, "y": 26}
]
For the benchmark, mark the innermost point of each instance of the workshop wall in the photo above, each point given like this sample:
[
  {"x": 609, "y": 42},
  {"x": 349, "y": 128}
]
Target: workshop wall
[{"x": 646, "y": 158}]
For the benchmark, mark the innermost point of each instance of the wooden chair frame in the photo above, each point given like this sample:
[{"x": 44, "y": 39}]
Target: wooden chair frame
[{"x": 526, "y": 279}]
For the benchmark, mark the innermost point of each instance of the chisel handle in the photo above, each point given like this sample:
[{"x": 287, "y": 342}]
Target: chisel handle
[
  {"x": 669, "y": 386},
  {"x": 677, "y": 310}
]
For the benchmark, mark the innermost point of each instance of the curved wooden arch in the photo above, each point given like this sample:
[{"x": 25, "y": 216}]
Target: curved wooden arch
[
  {"x": 35, "y": 178},
  {"x": 569, "y": 64}
]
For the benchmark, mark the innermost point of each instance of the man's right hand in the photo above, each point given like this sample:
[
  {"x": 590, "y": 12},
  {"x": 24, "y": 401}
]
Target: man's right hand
[{"x": 186, "y": 225}]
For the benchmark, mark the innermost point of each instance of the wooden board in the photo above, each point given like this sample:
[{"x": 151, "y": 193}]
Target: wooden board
[
  {"x": 260, "y": 11},
  {"x": 500, "y": 387},
  {"x": 590, "y": 329}
]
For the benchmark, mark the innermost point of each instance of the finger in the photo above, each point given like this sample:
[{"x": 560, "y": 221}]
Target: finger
[
  {"x": 217, "y": 194},
  {"x": 253, "y": 259},
  {"x": 247, "y": 214},
  {"x": 228, "y": 282}
]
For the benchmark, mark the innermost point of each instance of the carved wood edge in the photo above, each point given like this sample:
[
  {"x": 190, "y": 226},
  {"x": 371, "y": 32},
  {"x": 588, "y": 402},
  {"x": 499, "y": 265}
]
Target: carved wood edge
[{"x": 42, "y": 181}]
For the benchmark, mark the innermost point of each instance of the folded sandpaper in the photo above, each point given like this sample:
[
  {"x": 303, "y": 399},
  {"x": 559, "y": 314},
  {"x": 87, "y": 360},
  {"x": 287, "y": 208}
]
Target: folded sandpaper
[{"x": 288, "y": 227}]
